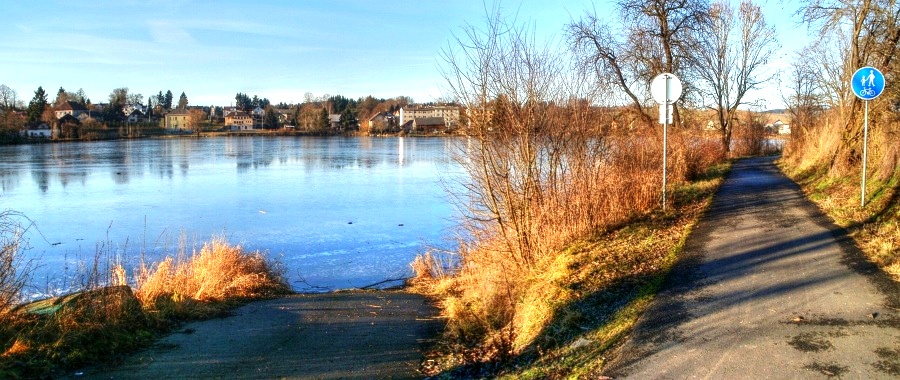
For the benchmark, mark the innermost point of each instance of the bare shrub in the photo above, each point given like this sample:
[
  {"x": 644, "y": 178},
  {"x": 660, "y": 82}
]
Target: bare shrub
[
  {"x": 545, "y": 164},
  {"x": 750, "y": 135},
  {"x": 691, "y": 154},
  {"x": 886, "y": 149},
  {"x": 15, "y": 269}
]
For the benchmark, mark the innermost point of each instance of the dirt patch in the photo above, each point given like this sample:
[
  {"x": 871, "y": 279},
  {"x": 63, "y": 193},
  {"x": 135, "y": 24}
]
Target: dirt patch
[{"x": 379, "y": 334}]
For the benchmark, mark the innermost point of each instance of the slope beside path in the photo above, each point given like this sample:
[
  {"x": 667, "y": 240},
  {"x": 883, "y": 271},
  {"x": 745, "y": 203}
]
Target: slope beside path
[
  {"x": 361, "y": 335},
  {"x": 769, "y": 288}
]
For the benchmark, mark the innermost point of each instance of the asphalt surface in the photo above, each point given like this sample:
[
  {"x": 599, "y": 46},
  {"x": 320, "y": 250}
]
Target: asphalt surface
[
  {"x": 769, "y": 288},
  {"x": 344, "y": 335}
]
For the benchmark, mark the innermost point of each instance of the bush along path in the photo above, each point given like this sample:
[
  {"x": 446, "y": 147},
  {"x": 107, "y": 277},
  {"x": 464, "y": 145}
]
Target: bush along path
[{"x": 768, "y": 287}]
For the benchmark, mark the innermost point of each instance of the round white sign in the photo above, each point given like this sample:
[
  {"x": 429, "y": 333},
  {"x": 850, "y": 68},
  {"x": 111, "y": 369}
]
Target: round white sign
[{"x": 665, "y": 87}]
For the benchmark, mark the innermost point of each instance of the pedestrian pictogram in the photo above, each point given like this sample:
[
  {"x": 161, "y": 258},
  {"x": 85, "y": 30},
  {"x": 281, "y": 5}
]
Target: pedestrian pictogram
[{"x": 868, "y": 83}]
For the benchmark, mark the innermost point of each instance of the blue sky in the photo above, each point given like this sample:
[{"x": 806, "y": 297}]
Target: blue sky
[{"x": 274, "y": 49}]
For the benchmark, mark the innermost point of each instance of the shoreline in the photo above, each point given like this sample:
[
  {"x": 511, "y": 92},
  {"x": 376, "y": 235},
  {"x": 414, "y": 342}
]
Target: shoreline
[{"x": 215, "y": 134}]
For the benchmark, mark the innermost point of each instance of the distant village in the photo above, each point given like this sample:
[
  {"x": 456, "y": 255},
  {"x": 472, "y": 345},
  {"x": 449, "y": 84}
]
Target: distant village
[
  {"x": 409, "y": 119},
  {"x": 71, "y": 116}
]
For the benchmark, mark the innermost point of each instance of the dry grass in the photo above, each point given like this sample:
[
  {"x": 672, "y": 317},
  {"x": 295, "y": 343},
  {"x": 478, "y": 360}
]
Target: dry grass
[
  {"x": 814, "y": 161},
  {"x": 193, "y": 286},
  {"x": 93, "y": 326},
  {"x": 499, "y": 308},
  {"x": 98, "y": 324},
  {"x": 592, "y": 291}
]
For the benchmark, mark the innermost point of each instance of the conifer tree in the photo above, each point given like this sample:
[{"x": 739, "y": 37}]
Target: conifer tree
[
  {"x": 167, "y": 104},
  {"x": 322, "y": 123},
  {"x": 182, "y": 101},
  {"x": 37, "y": 105},
  {"x": 61, "y": 97}
]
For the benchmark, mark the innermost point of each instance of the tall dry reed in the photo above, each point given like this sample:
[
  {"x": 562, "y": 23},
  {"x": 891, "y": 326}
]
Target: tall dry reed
[{"x": 218, "y": 273}]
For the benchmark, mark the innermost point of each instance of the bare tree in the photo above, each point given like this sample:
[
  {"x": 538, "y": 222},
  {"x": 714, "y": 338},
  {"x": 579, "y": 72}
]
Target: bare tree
[
  {"x": 195, "y": 120},
  {"x": 8, "y": 97},
  {"x": 804, "y": 100},
  {"x": 731, "y": 51},
  {"x": 118, "y": 97},
  {"x": 852, "y": 34},
  {"x": 506, "y": 82},
  {"x": 656, "y": 40},
  {"x": 134, "y": 98}
]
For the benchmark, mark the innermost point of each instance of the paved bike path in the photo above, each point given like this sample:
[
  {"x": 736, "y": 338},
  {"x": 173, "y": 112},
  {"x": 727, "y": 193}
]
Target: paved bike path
[
  {"x": 769, "y": 288},
  {"x": 343, "y": 335}
]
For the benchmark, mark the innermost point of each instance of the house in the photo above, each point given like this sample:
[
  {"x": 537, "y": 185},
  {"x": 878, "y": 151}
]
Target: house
[
  {"x": 68, "y": 119},
  {"x": 129, "y": 108},
  {"x": 135, "y": 116},
  {"x": 334, "y": 120},
  {"x": 238, "y": 121},
  {"x": 407, "y": 126},
  {"x": 284, "y": 115},
  {"x": 450, "y": 114},
  {"x": 177, "y": 119},
  {"x": 42, "y": 130},
  {"x": 779, "y": 127},
  {"x": 382, "y": 122},
  {"x": 71, "y": 108},
  {"x": 67, "y": 127},
  {"x": 784, "y": 129},
  {"x": 430, "y": 125}
]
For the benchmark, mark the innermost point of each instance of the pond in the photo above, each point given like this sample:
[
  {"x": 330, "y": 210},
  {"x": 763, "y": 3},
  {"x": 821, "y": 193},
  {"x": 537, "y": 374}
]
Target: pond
[{"x": 338, "y": 212}]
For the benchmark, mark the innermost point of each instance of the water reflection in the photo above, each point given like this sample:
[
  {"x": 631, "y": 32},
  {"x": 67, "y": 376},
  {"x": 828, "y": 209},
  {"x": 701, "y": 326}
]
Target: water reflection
[{"x": 290, "y": 196}]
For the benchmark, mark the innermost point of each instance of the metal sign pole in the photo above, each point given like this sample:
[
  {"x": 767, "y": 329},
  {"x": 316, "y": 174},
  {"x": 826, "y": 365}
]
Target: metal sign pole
[
  {"x": 865, "y": 155},
  {"x": 665, "y": 143},
  {"x": 666, "y": 89},
  {"x": 867, "y": 84}
]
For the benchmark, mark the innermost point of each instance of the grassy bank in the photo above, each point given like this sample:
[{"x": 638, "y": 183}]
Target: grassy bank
[
  {"x": 876, "y": 227},
  {"x": 101, "y": 324},
  {"x": 576, "y": 307}
]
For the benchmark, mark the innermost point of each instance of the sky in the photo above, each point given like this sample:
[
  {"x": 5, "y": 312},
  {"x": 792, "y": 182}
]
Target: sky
[{"x": 278, "y": 49}]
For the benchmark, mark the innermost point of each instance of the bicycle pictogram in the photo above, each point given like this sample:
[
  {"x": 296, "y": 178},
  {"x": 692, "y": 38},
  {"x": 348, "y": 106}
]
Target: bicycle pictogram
[{"x": 867, "y": 83}]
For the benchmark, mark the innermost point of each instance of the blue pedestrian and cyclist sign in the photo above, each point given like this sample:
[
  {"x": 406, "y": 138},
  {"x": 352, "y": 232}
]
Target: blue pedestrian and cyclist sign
[{"x": 868, "y": 83}]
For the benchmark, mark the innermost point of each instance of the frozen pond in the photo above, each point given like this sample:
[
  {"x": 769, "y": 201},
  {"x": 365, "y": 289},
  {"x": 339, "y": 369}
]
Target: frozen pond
[{"x": 339, "y": 212}]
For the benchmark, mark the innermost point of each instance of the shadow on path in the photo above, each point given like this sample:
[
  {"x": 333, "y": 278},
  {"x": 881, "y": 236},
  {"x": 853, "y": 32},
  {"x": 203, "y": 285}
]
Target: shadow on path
[{"x": 767, "y": 287}]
